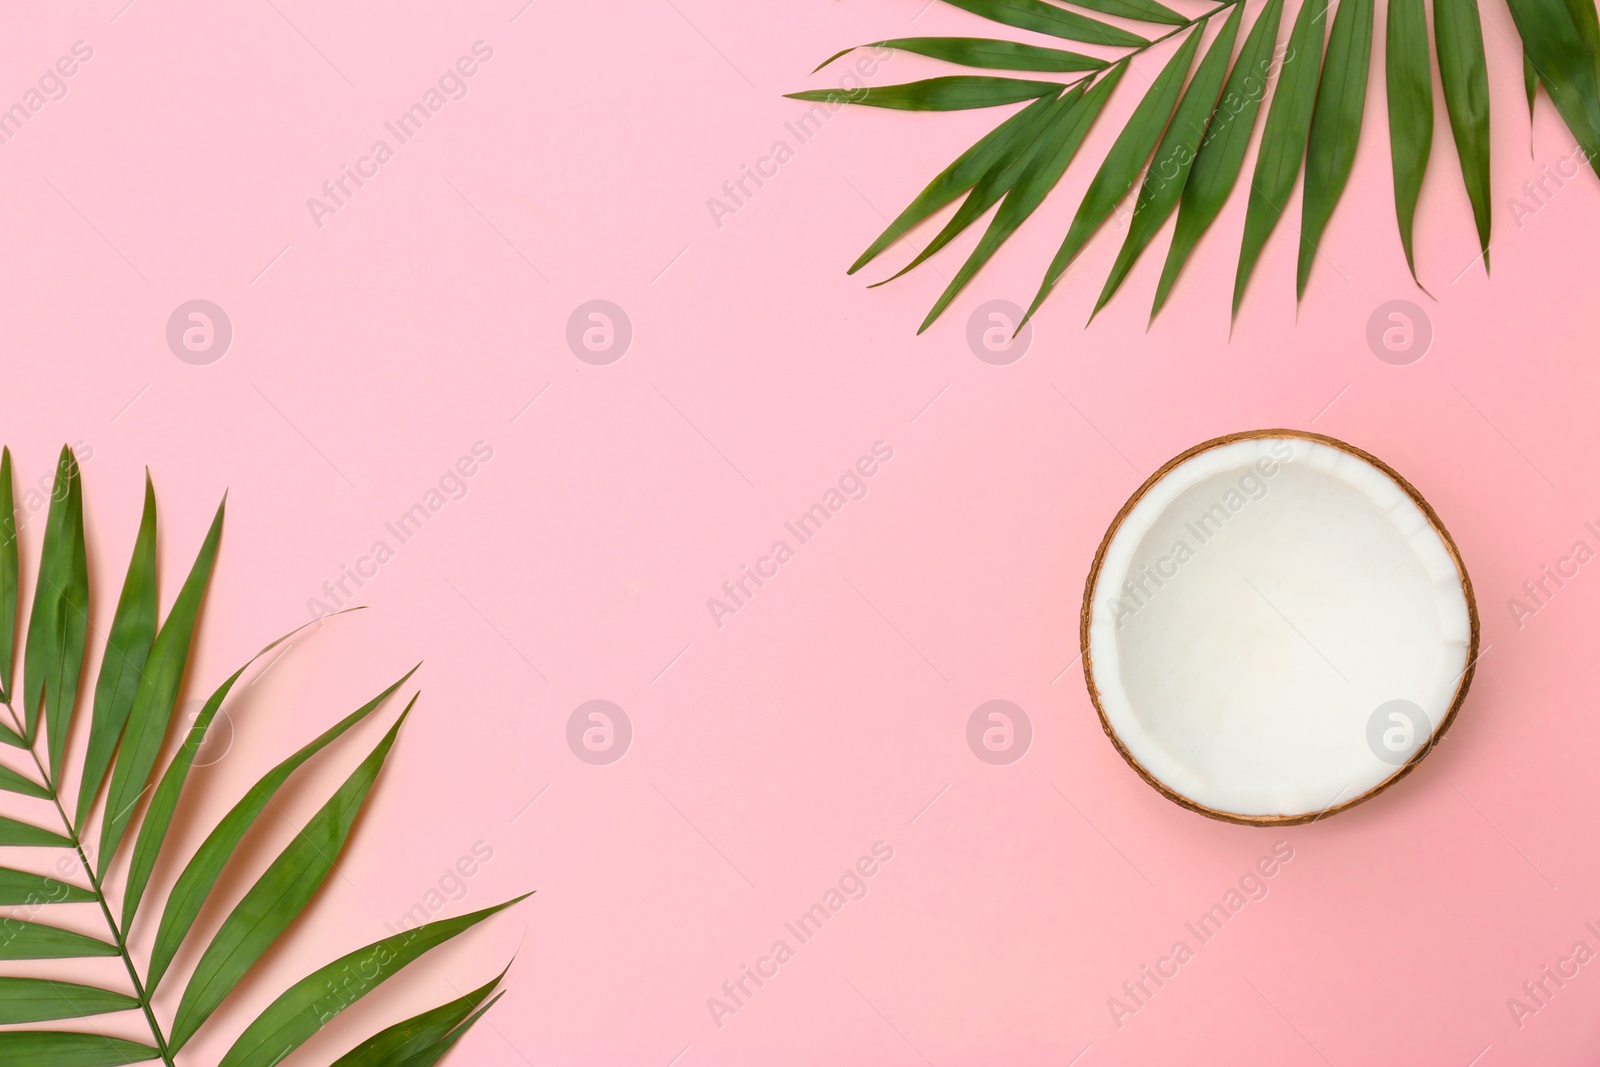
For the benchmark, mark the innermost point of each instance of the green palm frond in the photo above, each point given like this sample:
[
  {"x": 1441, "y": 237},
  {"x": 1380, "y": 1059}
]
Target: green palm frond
[
  {"x": 1183, "y": 147},
  {"x": 142, "y": 669}
]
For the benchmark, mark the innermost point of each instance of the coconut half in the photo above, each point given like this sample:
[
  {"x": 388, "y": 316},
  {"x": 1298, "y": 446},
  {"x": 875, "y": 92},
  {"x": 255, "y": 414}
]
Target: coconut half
[{"x": 1276, "y": 627}]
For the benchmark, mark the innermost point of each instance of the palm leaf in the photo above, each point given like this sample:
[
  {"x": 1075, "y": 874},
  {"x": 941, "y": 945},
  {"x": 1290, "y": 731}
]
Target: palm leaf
[
  {"x": 1141, "y": 10},
  {"x": 434, "y": 1053},
  {"x": 984, "y": 53},
  {"x": 1221, "y": 155},
  {"x": 1530, "y": 86},
  {"x": 1335, "y": 126},
  {"x": 133, "y": 629},
  {"x": 142, "y": 671},
  {"x": 1587, "y": 19},
  {"x": 1283, "y": 141},
  {"x": 1169, "y": 170},
  {"x": 307, "y": 1005},
  {"x": 164, "y": 802},
  {"x": 200, "y": 876},
  {"x": 1127, "y": 157},
  {"x": 1555, "y": 48},
  {"x": 1040, "y": 17},
  {"x": 957, "y": 92},
  {"x": 1002, "y": 174},
  {"x": 959, "y": 177},
  {"x": 26, "y": 835},
  {"x": 33, "y": 1000},
  {"x": 1465, "y": 74},
  {"x": 1313, "y": 120},
  {"x": 1410, "y": 87},
  {"x": 33, "y": 890},
  {"x": 1068, "y": 125},
  {"x": 42, "y": 1048},
  {"x": 156, "y": 698},
  {"x": 278, "y": 896},
  {"x": 53, "y": 656},
  {"x": 12, "y": 782},
  {"x": 414, "y": 1036},
  {"x": 24, "y": 940}
]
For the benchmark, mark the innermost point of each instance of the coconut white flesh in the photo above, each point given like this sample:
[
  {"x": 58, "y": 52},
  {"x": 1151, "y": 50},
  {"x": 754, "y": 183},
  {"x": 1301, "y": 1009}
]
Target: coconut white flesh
[{"x": 1255, "y": 610}]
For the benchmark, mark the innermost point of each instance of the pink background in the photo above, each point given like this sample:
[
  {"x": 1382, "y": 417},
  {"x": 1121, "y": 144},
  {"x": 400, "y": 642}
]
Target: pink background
[{"x": 830, "y": 712}]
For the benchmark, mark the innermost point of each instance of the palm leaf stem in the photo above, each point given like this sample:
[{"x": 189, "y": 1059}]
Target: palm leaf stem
[{"x": 100, "y": 898}]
